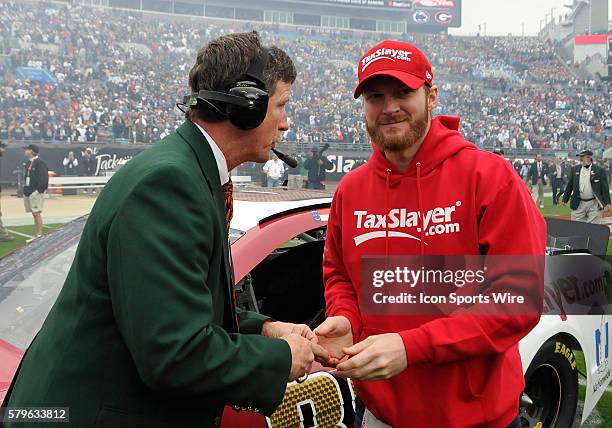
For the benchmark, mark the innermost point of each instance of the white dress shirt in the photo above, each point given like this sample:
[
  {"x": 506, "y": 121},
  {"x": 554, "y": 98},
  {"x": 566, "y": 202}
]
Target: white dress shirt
[
  {"x": 586, "y": 190},
  {"x": 219, "y": 156}
]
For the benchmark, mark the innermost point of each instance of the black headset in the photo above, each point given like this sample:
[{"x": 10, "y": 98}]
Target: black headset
[{"x": 245, "y": 104}]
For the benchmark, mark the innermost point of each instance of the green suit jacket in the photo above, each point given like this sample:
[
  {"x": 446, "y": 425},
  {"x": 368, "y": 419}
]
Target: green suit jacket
[{"x": 140, "y": 335}]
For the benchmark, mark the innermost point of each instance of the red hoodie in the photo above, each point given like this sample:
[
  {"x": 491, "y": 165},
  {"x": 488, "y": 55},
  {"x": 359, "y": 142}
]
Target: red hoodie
[{"x": 462, "y": 371}]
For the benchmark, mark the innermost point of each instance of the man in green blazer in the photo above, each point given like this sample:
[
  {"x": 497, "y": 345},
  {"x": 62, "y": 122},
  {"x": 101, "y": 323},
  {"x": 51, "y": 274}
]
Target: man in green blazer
[
  {"x": 143, "y": 333},
  {"x": 588, "y": 188}
]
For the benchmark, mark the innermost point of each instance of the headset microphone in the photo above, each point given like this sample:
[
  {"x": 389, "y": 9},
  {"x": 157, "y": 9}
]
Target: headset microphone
[{"x": 293, "y": 163}]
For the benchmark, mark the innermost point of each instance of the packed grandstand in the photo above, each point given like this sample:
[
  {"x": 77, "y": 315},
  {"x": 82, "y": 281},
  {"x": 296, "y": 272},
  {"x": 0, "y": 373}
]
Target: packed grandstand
[{"x": 116, "y": 75}]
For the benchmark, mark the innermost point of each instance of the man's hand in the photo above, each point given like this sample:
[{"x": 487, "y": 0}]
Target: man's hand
[
  {"x": 376, "y": 358},
  {"x": 606, "y": 208},
  {"x": 280, "y": 330},
  {"x": 301, "y": 355},
  {"x": 334, "y": 334}
]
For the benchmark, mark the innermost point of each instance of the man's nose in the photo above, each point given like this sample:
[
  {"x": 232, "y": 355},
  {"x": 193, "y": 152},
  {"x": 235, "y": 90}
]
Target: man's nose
[
  {"x": 284, "y": 124},
  {"x": 391, "y": 106}
]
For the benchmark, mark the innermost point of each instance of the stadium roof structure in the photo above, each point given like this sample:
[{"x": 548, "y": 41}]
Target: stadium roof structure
[{"x": 389, "y": 16}]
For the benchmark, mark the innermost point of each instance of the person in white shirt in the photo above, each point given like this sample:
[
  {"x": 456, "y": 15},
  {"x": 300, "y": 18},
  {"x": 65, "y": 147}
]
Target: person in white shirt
[
  {"x": 71, "y": 164},
  {"x": 274, "y": 170},
  {"x": 588, "y": 190}
]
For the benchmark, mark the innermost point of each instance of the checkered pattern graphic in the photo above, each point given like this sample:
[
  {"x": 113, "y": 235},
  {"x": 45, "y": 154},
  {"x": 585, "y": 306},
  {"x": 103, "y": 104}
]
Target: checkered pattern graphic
[{"x": 320, "y": 390}]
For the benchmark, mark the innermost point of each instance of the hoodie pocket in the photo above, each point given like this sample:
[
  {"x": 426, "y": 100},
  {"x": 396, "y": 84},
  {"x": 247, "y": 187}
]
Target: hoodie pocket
[{"x": 476, "y": 372}]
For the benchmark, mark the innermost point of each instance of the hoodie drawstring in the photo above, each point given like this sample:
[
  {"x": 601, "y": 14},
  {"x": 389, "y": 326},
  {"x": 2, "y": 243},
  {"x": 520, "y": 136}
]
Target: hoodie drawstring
[
  {"x": 418, "y": 174},
  {"x": 387, "y": 211}
]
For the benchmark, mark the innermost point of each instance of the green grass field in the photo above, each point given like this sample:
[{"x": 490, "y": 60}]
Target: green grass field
[{"x": 20, "y": 240}]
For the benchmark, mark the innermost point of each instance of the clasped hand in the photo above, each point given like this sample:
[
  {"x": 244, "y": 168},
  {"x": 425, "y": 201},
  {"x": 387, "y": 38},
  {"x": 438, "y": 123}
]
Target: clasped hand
[
  {"x": 377, "y": 357},
  {"x": 302, "y": 342}
]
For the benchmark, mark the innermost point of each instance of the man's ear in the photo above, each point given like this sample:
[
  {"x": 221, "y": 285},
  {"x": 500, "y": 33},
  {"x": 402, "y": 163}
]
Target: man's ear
[{"x": 432, "y": 99}]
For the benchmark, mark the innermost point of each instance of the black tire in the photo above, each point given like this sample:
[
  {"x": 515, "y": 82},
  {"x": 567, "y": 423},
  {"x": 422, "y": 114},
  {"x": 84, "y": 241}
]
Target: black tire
[{"x": 551, "y": 382}]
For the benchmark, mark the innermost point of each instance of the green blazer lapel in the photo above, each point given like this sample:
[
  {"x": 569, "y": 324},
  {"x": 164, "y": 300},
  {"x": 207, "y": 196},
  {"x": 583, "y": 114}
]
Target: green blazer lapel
[
  {"x": 194, "y": 137},
  {"x": 201, "y": 147}
]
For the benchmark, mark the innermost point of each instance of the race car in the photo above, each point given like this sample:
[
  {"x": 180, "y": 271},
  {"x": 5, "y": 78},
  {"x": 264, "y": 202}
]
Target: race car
[{"x": 277, "y": 239}]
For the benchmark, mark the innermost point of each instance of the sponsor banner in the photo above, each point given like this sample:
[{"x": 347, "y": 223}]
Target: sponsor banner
[
  {"x": 436, "y": 13},
  {"x": 109, "y": 157},
  {"x": 344, "y": 163},
  {"x": 385, "y": 4},
  {"x": 435, "y": 3},
  {"x": 106, "y": 158}
]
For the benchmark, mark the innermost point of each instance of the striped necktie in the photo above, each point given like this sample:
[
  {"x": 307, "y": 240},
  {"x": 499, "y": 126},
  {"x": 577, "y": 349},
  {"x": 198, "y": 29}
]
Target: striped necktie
[{"x": 228, "y": 200}]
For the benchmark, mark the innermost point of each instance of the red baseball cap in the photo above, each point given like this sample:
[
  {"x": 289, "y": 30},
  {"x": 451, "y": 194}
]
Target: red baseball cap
[{"x": 397, "y": 59}]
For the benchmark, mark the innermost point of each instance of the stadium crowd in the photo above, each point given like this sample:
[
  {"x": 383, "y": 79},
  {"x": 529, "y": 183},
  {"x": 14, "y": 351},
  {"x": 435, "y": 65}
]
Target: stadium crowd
[{"x": 118, "y": 75}]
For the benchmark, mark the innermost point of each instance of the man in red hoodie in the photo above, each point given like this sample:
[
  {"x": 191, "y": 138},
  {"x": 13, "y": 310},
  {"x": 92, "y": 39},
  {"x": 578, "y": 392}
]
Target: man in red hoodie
[{"x": 432, "y": 371}]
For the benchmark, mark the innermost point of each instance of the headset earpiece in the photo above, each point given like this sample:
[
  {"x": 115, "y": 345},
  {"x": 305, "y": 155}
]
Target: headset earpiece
[
  {"x": 251, "y": 116},
  {"x": 246, "y": 104}
]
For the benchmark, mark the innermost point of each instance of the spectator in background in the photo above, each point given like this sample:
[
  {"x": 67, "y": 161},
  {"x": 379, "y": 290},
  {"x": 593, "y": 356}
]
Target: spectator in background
[
  {"x": 517, "y": 165},
  {"x": 4, "y": 235},
  {"x": 557, "y": 177},
  {"x": 71, "y": 164},
  {"x": 88, "y": 165},
  {"x": 36, "y": 183},
  {"x": 524, "y": 173},
  {"x": 294, "y": 177},
  {"x": 91, "y": 135},
  {"x": 537, "y": 175},
  {"x": 316, "y": 166},
  {"x": 118, "y": 126},
  {"x": 588, "y": 189},
  {"x": 274, "y": 169}
]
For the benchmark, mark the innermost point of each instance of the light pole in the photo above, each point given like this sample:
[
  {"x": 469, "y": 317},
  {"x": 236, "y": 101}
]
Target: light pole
[{"x": 590, "y": 17}]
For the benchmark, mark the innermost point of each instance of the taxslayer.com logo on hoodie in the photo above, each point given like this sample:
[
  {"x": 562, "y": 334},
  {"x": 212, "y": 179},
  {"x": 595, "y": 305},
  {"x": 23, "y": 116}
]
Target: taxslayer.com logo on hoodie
[{"x": 437, "y": 221}]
